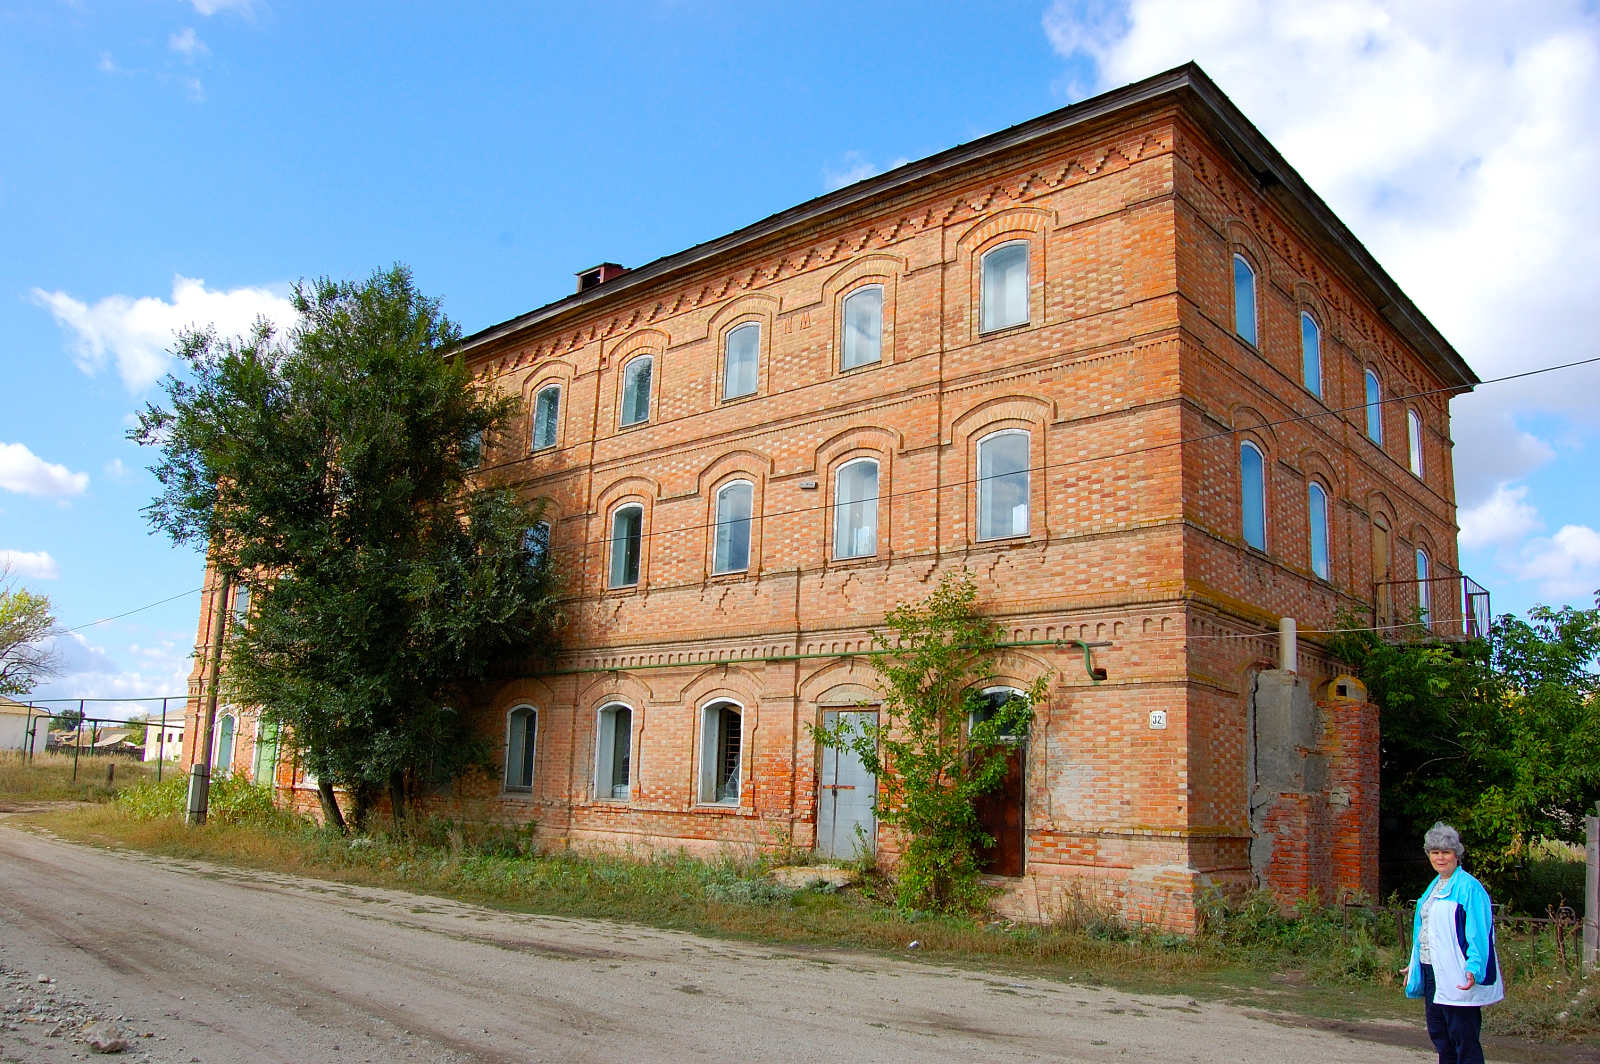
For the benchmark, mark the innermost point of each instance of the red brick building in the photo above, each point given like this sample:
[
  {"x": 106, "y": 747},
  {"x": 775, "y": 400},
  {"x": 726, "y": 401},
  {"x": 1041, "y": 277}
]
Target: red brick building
[{"x": 1122, "y": 364}]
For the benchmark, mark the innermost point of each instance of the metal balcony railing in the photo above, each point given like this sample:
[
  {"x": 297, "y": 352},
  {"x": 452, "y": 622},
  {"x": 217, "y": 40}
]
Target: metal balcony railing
[{"x": 1440, "y": 607}]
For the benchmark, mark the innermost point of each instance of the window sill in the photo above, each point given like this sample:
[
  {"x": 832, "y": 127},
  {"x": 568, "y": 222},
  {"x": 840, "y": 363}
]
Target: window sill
[
  {"x": 722, "y": 809},
  {"x": 1015, "y": 537},
  {"x": 732, "y": 576},
  {"x": 984, "y": 334},
  {"x": 517, "y": 792},
  {"x": 626, "y": 589},
  {"x": 856, "y": 561},
  {"x": 633, "y": 425},
  {"x": 726, "y": 399},
  {"x": 874, "y": 364}
]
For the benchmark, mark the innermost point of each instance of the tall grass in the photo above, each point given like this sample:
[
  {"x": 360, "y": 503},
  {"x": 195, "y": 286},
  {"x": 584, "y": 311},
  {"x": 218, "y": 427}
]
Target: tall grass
[{"x": 48, "y": 777}]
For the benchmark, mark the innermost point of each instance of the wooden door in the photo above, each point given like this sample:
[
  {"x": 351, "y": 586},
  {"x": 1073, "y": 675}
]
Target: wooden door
[{"x": 1001, "y": 814}]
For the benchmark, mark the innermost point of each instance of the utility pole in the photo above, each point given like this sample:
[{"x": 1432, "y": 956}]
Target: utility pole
[
  {"x": 1591, "y": 892},
  {"x": 200, "y": 776}
]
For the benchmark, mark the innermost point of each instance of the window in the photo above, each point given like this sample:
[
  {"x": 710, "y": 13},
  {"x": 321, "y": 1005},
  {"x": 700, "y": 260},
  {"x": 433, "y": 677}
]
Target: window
[
  {"x": 1005, "y": 286},
  {"x": 1311, "y": 353},
  {"x": 1317, "y": 507},
  {"x": 546, "y": 409},
  {"x": 1003, "y": 485},
  {"x": 741, "y": 358},
  {"x": 536, "y": 541},
  {"x": 1374, "y": 409},
  {"x": 863, "y": 327},
  {"x": 636, "y": 390},
  {"x": 614, "y": 753},
  {"x": 222, "y": 763},
  {"x": 993, "y": 699},
  {"x": 241, "y": 606},
  {"x": 472, "y": 450},
  {"x": 522, "y": 732},
  {"x": 1424, "y": 600},
  {"x": 720, "y": 752},
  {"x": 264, "y": 765},
  {"x": 855, "y": 510},
  {"x": 627, "y": 524},
  {"x": 1414, "y": 438},
  {"x": 1244, "y": 300},
  {"x": 734, "y": 504},
  {"x": 1253, "y": 495}
]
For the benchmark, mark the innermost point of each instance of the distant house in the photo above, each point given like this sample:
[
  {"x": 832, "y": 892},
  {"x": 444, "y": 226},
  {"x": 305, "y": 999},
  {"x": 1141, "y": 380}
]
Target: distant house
[
  {"x": 97, "y": 739},
  {"x": 164, "y": 742},
  {"x": 22, "y": 727}
]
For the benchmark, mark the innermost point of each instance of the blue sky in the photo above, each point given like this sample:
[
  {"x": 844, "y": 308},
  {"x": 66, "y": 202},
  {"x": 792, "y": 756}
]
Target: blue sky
[{"x": 173, "y": 161}]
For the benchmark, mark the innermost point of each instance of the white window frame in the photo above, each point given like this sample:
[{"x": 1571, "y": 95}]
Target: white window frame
[
  {"x": 531, "y": 712},
  {"x": 614, "y": 543},
  {"x": 649, "y": 392},
  {"x": 1244, "y": 530},
  {"x": 1255, "y": 302},
  {"x": 1312, "y": 358},
  {"x": 219, "y": 768},
  {"x": 983, "y": 485},
  {"x": 996, "y": 689},
  {"x": 717, "y": 567},
  {"x": 1314, "y": 489},
  {"x": 711, "y": 755},
  {"x": 844, "y": 327},
  {"x": 604, "y": 753},
  {"x": 553, "y": 422},
  {"x": 1372, "y": 392},
  {"x": 984, "y": 324},
  {"x": 727, "y": 354},
  {"x": 1414, "y": 440},
  {"x": 839, "y": 510}
]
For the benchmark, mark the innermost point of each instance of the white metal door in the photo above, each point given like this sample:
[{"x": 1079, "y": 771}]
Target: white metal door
[{"x": 845, "y": 803}]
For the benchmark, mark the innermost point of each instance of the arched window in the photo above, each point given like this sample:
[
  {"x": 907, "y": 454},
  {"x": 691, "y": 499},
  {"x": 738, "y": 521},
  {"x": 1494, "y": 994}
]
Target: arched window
[
  {"x": 735, "y": 503},
  {"x": 863, "y": 327},
  {"x": 522, "y": 732},
  {"x": 855, "y": 510},
  {"x": 741, "y": 360},
  {"x": 536, "y": 541},
  {"x": 546, "y": 409},
  {"x": 636, "y": 390},
  {"x": 627, "y": 527},
  {"x": 1244, "y": 300},
  {"x": 1414, "y": 439},
  {"x": 1005, "y": 286},
  {"x": 264, "y": 765},
  {"x": 1374, "y": 408},
  {"x": 1003, "y": 485},
  {"x": 1311, "y": 353},
  {"x": 992, "y": 700},
  {"x": 613, "y": 769},
  {"x": 1424, "y": 598},
  {"x": 721, "y": 752},
  {"x": 222, "y": 763},
  {"x": 1253, "y": 495},
  {"x": 1317, "y": 509}
]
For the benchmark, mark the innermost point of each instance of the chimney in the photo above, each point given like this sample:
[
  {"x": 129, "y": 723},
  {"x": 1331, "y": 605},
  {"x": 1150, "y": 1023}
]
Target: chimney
[{"x": 595, "y": 276}]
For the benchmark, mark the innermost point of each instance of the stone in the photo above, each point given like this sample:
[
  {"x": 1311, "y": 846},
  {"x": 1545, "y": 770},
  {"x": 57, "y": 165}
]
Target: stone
[
  {"x": 806, "y": 877},
  {"x": 105, "y": 1038}
]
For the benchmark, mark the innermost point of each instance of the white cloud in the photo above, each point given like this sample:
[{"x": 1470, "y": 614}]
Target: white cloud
[
  {"x": 23, "y": 471},
  {"x": 1459, "y": 142},
  {"x": 1502, "y": 521},
  {"x": 137, "y": 332},
  {"x": 29, "y": 563},
  {"x": 188, "y": 44},
  {"x": 211, "y": 7},
  {"x": 117, "y": 471},
  {"x": 88, "y": 670},
  {"x": 1566, "y": 565},
  {"x": 853, "y": 166}
]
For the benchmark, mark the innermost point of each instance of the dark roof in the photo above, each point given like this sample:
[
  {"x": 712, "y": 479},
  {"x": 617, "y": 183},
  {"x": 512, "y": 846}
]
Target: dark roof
[{"x": 1221, "y": 119}]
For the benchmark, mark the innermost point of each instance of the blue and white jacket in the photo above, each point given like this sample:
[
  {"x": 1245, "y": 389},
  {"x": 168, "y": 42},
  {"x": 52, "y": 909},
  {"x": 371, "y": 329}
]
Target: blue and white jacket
[{"x": 1460, "y": 940}]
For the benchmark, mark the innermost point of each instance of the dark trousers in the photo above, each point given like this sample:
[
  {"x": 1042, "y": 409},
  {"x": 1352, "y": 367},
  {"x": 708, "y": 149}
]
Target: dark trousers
[{"x": 1453, "y": 1028}]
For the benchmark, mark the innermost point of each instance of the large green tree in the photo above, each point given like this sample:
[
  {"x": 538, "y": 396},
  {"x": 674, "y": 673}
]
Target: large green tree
[
  {"x": 336, "y": 475},
  {"x": 939, "y": 743},
  {"x": 1500, "y": 737}
]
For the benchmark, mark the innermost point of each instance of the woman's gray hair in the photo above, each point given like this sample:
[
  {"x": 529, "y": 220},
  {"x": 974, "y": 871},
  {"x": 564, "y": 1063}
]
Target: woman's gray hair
[{"x": 1443, "y": 837}]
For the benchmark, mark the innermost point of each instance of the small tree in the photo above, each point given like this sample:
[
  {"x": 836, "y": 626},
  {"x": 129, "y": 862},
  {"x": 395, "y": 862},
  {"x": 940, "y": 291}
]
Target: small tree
[
  {"x": 337, "y": 475},
  {"x": 27, "y": 621},
  {"x": 936, "y": 748}
]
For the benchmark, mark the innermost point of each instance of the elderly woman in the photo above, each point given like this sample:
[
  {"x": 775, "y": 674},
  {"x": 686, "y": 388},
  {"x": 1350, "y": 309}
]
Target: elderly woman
[{"x": 1453, "y": 965}]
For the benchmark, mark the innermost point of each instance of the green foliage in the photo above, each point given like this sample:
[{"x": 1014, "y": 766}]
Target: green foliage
[
  {"x": 234, "y": 801},
  {"x": 26, "y": 622},
  {"x": 1499, "y": 737},
  {"x": 336, "y": 476},
  {"x": 935, "y": 748}
]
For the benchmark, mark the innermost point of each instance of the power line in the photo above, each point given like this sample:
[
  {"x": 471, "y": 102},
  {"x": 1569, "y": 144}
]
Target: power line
[{"x": 130, "y": 613}]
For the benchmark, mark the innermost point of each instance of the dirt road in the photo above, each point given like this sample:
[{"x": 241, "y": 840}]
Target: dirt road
[{"x": 218, "y": 965}]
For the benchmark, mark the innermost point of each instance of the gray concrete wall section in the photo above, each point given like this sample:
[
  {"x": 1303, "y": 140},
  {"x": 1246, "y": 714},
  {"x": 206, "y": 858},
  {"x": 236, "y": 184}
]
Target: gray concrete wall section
[{"x": 1284, "y": 751}]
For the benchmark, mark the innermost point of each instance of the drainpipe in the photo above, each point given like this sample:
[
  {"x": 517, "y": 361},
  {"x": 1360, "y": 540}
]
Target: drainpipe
[{"x": 200, "y": 779}]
